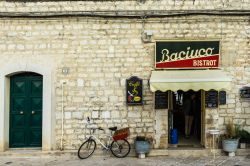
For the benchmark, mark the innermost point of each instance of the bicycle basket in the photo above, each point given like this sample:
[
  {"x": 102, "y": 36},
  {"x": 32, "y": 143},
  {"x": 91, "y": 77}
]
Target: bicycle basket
[{"x": 121, "y": 134}]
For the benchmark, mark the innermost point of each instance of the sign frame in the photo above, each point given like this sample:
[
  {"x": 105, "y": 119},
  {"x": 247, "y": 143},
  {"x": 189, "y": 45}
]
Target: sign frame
[
  {"x": 162, "y": 96},
  {"x": 134, "y": 91},
  {"x": 208, "y": 103},
  {"x": 222, "y": 97},
  {"x": 186, "y": 40},
  {"x": 245, "y": 93}
]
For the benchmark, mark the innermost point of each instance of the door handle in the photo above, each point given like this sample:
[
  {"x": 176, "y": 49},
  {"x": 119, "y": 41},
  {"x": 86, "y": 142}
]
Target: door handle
[
  {"x": 21, "y": 112},
  {"x": 32, "y": 112}
]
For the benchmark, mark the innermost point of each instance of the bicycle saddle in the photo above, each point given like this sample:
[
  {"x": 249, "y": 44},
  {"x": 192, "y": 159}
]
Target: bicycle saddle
[{"x": 113, "y": 128}]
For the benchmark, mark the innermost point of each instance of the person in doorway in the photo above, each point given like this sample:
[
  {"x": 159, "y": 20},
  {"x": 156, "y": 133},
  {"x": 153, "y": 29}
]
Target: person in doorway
[{"x": 189, "y": 107}]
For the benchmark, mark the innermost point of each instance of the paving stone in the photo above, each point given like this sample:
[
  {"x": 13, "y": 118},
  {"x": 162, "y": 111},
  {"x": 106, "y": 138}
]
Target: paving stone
[
  {"x": 102, "y": 53},
  {"x": 108, "y": 160}
]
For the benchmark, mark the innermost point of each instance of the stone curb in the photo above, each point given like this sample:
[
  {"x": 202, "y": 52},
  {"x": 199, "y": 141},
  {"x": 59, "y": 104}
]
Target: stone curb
[{"x": 153, "y": 153}]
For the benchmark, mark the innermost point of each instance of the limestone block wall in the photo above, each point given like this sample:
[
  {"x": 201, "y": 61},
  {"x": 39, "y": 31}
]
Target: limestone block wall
[
  {"x": 101, "y": 53},
  {"x": 120, "y": 5}
]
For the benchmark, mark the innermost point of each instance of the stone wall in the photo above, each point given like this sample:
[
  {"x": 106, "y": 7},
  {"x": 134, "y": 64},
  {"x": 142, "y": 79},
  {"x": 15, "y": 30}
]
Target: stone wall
[
  {"x": 97, "y": 5},
  {"x": 101, "y": 53}
]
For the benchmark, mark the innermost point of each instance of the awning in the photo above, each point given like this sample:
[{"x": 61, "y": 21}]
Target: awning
[{"x": 190, "y": 79}]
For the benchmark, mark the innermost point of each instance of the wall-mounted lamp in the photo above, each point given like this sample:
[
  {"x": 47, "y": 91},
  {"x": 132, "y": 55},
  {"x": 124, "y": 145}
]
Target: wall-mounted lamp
[
  {"x": 147, "y": 35},
  {"x": 248, "y": 31},
  {"x": 65, "y": 70}
]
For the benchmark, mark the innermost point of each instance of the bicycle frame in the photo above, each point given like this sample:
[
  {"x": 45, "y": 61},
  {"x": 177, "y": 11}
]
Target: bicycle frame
[
  {"x": 110, "y": 138},
  {"x": 92, "y": 136},
  {"x": 107, "y": 141}
]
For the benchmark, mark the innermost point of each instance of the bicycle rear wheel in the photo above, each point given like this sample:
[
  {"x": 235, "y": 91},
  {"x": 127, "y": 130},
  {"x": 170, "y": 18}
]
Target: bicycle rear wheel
[
  {"x": 87, "y": 149},
  {"x": 120, "y": 148}
]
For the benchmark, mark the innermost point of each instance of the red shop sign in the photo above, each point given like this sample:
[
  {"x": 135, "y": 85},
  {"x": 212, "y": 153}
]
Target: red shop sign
[{"x": 187, "y": 54}]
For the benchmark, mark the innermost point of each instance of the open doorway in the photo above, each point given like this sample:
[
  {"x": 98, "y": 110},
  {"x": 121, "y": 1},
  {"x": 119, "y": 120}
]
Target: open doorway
[{"x": 185, "y": 117}]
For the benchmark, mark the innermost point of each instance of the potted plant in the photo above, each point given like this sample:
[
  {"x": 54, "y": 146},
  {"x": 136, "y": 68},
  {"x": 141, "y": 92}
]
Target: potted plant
[
  {"x": 230, "y": 140},
  {"x": 244, "y": 138},
  {"x": 142, "y": 145}
]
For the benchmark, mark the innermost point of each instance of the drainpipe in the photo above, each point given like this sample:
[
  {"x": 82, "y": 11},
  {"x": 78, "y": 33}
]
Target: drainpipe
[{"x": 62, "y": 116}]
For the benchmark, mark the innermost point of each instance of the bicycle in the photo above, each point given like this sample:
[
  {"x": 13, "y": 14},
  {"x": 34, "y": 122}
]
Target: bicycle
[{"x": 117, "y": 144}]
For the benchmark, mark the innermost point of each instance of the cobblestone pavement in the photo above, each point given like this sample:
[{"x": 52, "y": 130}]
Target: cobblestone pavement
[{"x": 69, "y": 160}]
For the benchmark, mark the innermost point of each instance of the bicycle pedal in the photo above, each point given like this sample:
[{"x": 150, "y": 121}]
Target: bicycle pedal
[{"x": 104, "y": 149}]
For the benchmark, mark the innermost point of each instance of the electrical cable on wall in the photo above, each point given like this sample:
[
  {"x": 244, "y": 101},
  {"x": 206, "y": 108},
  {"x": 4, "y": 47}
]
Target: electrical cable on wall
[{"x": 126, "y": 13}]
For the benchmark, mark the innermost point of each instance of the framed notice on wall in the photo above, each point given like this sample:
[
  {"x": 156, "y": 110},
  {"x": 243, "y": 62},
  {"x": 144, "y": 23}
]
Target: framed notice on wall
[
  {"x": 245, "y": 92},
  {"x": 134, "y": 91},
  {"x": 161, "y": 100},
  {"x": 222, "y": 97},
  {"x": 211, "y": 99}
]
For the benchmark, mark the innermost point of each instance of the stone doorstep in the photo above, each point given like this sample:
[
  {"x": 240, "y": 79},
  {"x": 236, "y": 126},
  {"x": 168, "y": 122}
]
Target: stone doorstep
[{"x": 154, "y": 152}]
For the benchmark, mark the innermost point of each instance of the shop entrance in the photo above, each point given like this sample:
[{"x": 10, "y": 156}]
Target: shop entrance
[{"x": 186, "y": 117}]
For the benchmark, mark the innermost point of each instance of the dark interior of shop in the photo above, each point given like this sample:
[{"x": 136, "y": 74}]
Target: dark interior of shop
[{"x": 185, "y": 117}]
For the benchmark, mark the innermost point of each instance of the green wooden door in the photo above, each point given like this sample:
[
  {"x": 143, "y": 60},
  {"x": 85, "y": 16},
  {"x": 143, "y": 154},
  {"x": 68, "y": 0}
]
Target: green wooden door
[{"x": 26, "y": 110}]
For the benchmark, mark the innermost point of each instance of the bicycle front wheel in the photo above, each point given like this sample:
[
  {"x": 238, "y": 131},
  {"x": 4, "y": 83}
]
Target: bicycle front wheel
[
  {"x": 87, "y": 149},
  {"x": 120, "y": 148}
]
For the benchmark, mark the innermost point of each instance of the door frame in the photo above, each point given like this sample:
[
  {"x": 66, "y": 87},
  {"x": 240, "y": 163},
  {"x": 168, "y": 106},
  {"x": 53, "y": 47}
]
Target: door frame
[
  {"x": 203, "y": 119},
  {"x": 27, "y": 78},
  {"x": 203, "y": 115},
  {"x": 47, "y": 124}
]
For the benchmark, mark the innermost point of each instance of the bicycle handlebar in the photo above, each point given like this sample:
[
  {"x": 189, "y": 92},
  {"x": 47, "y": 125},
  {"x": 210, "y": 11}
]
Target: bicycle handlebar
[{"x": 98, "y": 128}]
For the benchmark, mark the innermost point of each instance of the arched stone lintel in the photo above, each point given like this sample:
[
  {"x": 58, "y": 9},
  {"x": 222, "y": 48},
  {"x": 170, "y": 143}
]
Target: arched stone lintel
[{"x": 13, "y": 68}]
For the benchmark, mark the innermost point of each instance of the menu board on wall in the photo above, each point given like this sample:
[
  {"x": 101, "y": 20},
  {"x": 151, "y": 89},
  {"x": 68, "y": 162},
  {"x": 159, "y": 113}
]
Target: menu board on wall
[
  {"x": 161, "y": 100},
  {"x": 222, "y": 97},
  {"x": 211, "y": 99},
  {"x": 134, "y": 91},
  {"x": 245, "y": 92}
]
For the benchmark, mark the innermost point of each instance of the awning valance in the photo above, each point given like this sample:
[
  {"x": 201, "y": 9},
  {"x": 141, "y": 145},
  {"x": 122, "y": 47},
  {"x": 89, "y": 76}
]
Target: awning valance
[{"x": 190, "y": 79}]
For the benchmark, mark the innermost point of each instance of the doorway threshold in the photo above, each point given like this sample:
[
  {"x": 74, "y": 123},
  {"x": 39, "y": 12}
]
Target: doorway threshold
[
  {"x": 23, "y": 152},
  {"x": 17, "y": 149},
  {"x": 185, "y": 146},
  {"x": 189, "y": 151}
]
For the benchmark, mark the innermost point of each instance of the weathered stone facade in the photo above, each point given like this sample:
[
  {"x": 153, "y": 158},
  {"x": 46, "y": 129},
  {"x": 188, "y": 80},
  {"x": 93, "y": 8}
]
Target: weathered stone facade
[
  {"x": 102, "y": 5},
  {"x": 101, "y": 53}
]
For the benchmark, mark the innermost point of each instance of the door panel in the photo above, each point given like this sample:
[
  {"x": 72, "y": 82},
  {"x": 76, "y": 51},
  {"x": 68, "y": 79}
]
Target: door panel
[
  {"x": 18, "y": 121},
  {"x": 35, "y": 120},
  {"x": 19, "y": 87},
  {"x": 36, "y": 87},
  {"x": 18, "y": 104},
  {"x": 18, "y": 137},
  {"x": 26, "y": 110},
  {"x": 35, "y": 137},
  {"x": 36, "y": 103}
]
